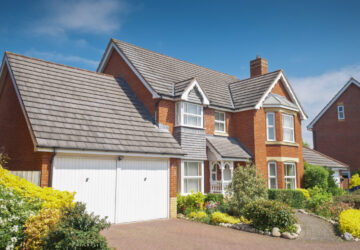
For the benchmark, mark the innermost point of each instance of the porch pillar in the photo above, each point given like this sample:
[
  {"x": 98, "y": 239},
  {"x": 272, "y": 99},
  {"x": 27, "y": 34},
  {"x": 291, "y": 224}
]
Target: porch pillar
[{"x": 222, "y": 176}]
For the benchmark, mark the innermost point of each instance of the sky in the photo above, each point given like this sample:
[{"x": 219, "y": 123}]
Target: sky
[{"x": 317, "y": 43}]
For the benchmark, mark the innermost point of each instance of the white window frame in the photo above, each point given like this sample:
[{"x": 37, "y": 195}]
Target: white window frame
[
  {"x": 180, "y": 113},
  {"x": 270, "y": 126},
  {"x": 272, "y": 177},
  {"x": 183, "y": 177},
  {"x": 221, "y": 122},
  {"x": 341, "y": 112},
  {"x": 289, "y": 128},
  {"x": 290, "y": 177}
]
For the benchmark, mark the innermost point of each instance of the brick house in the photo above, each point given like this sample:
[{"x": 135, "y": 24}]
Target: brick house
[
  {"x": 148, "y": 126},
  {"x": 336, "y": 128}
]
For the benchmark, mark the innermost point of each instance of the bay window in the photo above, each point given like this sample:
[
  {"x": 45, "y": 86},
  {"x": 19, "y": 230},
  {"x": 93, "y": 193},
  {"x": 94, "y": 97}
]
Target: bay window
[
  {"x": 192, "y": 180},
  {"x": 272, "y": 175},
  {"x": 290, "y": 175},
  {"x": 270, "y": 126},
  {"x": 288, "y": 128},
  {"x": 189, "y": 114},
  {"x": 219, "y": 121}
]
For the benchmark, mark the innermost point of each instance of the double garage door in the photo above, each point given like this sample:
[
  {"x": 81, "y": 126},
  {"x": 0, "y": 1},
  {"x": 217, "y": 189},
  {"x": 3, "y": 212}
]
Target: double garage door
[{"x": 132, "y": 189}]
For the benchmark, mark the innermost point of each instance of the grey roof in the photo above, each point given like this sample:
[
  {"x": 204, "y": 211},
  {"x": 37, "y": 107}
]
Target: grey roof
[
  {"x": 78, "y": 109},
  {"x": 316, "y": 158},
  {"x": 162, "y": 72},
  {"x": 247, "y": 93},
  {"x": 228, "y": 147},
  {"x": 278, "y": 100}
]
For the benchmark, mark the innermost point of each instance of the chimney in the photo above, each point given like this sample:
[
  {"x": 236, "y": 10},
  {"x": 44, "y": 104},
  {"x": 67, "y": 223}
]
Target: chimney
[{"x": 258, "y": 66}]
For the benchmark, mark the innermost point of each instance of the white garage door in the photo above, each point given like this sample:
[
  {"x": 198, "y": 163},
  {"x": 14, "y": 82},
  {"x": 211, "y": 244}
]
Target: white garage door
[
  {"x": 126, "y": 191},
  {"x": 93, "y": 180},
  {"x": 143, "y": 190}
]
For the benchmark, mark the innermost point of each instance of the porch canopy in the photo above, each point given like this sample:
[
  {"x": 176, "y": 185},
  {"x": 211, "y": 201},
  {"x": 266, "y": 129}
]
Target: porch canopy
[{"x": 222, "y": 152}]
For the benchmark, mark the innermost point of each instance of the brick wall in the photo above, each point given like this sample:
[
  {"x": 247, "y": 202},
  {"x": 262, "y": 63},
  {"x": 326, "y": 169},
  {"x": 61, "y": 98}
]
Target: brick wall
[
  {"x": 340, "y": 139},
  {"x": 15, "y": 138}
]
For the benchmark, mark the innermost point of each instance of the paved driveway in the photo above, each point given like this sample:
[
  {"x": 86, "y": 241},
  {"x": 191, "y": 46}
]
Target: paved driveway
[{"x": 181, "y": 234}]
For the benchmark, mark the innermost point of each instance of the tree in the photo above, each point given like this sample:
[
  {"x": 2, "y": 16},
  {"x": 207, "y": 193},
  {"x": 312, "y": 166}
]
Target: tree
[{"x": 246, "y": 186}]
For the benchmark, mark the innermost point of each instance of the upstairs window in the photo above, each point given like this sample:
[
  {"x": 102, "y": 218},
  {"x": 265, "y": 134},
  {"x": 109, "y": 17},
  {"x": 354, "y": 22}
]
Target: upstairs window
[
  {"x": 288, "y": 128},
  {"x": 341, "y": 112},
  {"x": 272, "y": 175},
  {"x": 189, "y": 114},
  {"x": 219, "y": 121},
  {"x": 270, "y": 126}
]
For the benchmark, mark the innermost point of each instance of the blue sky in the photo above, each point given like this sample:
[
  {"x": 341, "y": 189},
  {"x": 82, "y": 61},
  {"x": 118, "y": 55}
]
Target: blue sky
[{"x": 317, "y": 43}]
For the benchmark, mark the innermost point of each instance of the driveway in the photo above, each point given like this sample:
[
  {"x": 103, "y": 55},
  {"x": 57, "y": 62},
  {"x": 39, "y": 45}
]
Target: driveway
[{"x": 181, "y": 234}]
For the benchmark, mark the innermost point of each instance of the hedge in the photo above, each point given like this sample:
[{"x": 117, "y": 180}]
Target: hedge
[{"x": 294, "y": 198}]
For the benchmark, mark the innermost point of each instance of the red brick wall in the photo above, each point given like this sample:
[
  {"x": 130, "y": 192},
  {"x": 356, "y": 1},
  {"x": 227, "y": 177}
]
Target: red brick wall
[
  {"x": 117, "y": 66},
  {"x": 341, "y": 139},
  {"x": 15, "y": 138}
]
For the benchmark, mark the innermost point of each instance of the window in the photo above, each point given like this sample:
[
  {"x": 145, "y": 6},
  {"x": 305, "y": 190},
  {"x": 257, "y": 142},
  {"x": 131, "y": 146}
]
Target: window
[
  {"x": 341, "y": 112},
  {"x": 189, "y": 114},
  {"x": 219, "y": 121},
  {"x": 288, "y": 128},
  {"x": 270, "y": 126},
  {"x": 272, "y": 175},
  {"x": 192, "y": 180},
  {"x": 290, "y": 175}
]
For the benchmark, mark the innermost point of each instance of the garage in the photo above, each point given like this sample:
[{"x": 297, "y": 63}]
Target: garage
[{"x": 125, "y": 190}]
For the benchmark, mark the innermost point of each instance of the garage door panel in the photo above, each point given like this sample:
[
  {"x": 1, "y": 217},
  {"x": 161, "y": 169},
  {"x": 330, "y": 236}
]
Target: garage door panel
[
  {"x": 142, "y": 190},
  {"x": 92, "y": 179}
]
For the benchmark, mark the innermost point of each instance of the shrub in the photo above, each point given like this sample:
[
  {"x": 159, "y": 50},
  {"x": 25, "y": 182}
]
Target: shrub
[
  {"x": 294, "y": 198},
  {"x": 315, "y": 176},
  {"x": 266, "y": 215},
  {"x": 214, "y": 198},
  {"x": 14, "y": 211},
  {"x": 352, "y": 200},
  {"x": 38, "y": 226},
  {"x": 77, "y": 229},
  {"x": 190, "y": 202},
  {"x": 305, "y": 192},
  {"x": 355, "y": 181},
  {"x": 317, "y": 197},
  {"x": 349, "y": 221},
  {"x": 246, "y": 186},
  {"x": 219, "y": 217},
  {"x": 51, "y": 198}
]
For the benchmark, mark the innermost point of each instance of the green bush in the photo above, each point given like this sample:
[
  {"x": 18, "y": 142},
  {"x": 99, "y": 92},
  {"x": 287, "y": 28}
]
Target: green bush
[
  {"x": 353, "y": 200},
  {"x": 14, "y": 211},
  {"x": 294, "y": 198},
  {"x": 246, "y": 186},
  {"x": 214, "y": 198},
  {"x": 318, "y": 196},
  {"x": 77, "y": 229},
  {"x": 315, "y": 176},
  {"x": 265, "y": 215}
]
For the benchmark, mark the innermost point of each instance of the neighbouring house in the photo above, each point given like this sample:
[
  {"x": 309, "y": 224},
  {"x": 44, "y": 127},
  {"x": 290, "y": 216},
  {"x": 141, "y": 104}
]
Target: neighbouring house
[
  {"x": 336, "y": 128},
  {"x": 314, "y": 157},
  {"x": 145, "y": 127}
]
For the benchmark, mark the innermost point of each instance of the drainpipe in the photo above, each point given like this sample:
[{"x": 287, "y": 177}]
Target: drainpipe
[
  {"x": 51, "y": 167},
  {"x": 156, "y": 109}
]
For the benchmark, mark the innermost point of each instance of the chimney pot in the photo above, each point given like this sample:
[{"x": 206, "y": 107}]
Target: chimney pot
[{"x": 258, "y": 66}]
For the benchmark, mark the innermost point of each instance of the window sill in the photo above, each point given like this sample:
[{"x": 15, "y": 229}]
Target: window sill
[
  {"x": 221, "y": 133},
  {"x": 292, "y": 144}
]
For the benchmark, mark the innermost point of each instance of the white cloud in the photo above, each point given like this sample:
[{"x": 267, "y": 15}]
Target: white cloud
[
  {"x": 64, "y": 59},
  {"x": 315, "y": 92},
  {"x": 85, "y": 16}
]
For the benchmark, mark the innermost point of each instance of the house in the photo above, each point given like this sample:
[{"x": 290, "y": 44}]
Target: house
[
  {"x": 336, "y": 128},
  {"x": 314, "y": 157},
  {"x": 145, "y": 127}
]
